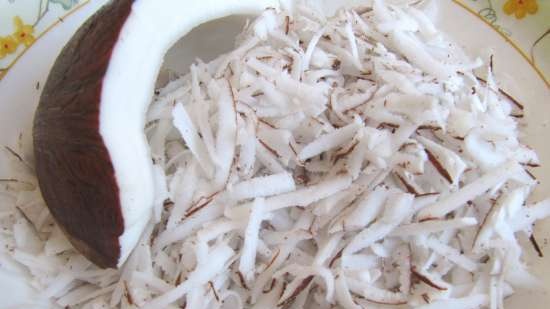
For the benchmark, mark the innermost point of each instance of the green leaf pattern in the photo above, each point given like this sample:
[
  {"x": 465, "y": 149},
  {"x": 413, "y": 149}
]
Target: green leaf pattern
[{"x": 66, "y": 4}]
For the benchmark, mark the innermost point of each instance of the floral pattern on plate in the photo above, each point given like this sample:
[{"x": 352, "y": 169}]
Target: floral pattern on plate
[
  {"x": 22, "y": 23},
  {"x": 524, "y": 23}
]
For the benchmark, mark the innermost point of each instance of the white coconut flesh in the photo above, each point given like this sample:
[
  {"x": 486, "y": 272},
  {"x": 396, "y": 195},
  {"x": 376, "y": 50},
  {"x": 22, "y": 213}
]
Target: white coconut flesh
[
  {"x": 322, "y": 163},
  {"x": 128, "y": 87}
]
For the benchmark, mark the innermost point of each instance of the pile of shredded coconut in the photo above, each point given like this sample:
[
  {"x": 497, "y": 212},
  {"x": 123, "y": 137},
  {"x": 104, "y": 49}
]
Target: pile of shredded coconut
[{"x": 346, "y": 162}]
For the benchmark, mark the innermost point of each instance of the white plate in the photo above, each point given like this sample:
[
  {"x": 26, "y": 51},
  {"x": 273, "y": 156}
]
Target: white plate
[{"x": 21, "y": 87}]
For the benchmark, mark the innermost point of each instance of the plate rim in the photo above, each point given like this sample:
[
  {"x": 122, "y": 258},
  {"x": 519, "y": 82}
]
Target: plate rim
[{"x": 4, "y": 72}]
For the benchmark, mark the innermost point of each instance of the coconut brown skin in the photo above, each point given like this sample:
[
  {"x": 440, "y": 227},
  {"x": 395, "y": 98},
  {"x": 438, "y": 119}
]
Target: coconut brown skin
[{"x": 75, "y": 173}]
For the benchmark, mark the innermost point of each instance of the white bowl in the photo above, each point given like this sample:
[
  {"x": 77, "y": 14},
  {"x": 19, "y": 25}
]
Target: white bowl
[{"x": 19, "y": 96}]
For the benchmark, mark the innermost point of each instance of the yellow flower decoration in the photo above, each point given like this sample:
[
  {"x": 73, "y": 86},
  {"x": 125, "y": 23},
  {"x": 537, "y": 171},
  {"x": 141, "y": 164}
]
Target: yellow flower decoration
[
  {"x": 7, "y": 46},
  {"x": 23, "y": 33},
  {"x": 520, "y": 8}
]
